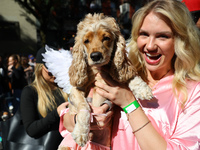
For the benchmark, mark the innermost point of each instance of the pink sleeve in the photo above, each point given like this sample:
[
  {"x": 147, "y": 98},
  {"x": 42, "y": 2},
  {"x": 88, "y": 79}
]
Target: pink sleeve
[
  {"x": 62, "y": 129},
  {"x": 187, "y": 132}
]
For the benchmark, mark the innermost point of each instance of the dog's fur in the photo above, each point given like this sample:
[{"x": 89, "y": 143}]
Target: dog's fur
[{"x": 99, "y": 43}]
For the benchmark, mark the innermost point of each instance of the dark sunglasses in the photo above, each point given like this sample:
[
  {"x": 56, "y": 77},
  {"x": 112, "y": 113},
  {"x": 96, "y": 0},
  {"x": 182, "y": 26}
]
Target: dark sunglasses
[{"x": 49, "y": 73}]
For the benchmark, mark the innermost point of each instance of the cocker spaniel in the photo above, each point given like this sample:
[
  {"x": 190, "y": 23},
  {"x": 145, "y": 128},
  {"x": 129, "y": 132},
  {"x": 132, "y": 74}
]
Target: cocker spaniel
[{"x": 99, "y": 43}]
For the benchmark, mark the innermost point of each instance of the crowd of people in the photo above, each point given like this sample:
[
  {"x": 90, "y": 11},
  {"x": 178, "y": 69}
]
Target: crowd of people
[
  {"x": 16, "y": 71},
  {"x": 164, "y": 47}
]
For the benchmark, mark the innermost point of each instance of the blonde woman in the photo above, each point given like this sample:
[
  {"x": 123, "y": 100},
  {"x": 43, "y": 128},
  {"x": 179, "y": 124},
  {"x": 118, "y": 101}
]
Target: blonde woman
[
  {"x": 41, "y": 103},
  {"x": 165, "y": 47}
]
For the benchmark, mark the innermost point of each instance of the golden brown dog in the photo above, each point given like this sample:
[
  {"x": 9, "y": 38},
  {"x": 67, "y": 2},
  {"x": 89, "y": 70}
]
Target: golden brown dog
[{"x": 99, "y": 43}]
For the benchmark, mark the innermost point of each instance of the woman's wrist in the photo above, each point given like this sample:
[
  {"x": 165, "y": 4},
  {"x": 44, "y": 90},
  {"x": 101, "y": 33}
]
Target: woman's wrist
[
  {"x": 137, "y": 119},
  {"x": 68, "y": 122},
  {"x": 131, "y": 107}
]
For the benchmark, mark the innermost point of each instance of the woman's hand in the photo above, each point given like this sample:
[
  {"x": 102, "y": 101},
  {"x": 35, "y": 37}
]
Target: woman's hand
[
  {"x": 102, "y": 117},
  {"x": 118, "y": 93},
  {"x": 61, "y": 107},
  {"x": 10, "y": 70},
  {"x": 10, "y": 67}
]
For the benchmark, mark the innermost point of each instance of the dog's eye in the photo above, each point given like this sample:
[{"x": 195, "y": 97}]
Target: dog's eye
[
  {"x": 106, "y": 38},
  {"x": 86, "y": 41}
]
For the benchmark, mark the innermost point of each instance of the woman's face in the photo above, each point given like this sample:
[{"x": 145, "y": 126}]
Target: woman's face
[
  {"x": 47, "y": 75},
  {"x": 156, "y": 44},
  {"x": 11, "y": 61}
]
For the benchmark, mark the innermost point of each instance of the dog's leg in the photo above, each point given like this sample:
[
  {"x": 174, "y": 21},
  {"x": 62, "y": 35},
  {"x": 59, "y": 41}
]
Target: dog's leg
[
  {"x": 97, "y": 99},
  {"x": 140, "y": 89},
  {"x": 81, "y": 107}
]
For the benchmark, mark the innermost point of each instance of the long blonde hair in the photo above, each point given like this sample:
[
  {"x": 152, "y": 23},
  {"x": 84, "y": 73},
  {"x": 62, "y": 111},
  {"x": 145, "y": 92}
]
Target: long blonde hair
[
  {"x": 186, "y": 61},
  {"x": 46, "y": 100}
]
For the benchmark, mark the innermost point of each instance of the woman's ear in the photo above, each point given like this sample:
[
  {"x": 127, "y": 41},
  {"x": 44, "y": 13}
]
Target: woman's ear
[
  {"x": 78, "y": 69},
  {"x": 121, "y": 68}
]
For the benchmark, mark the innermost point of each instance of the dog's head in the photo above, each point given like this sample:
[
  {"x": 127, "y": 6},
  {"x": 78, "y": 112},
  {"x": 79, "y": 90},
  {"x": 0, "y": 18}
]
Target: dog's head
[
  {"x": 97, "y": 43},
  {"x": 97, "y": 33}
]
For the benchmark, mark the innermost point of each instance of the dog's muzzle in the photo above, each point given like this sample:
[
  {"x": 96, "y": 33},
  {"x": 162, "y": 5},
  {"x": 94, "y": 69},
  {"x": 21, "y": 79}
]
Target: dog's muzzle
[{"x": 96, "y": 56}]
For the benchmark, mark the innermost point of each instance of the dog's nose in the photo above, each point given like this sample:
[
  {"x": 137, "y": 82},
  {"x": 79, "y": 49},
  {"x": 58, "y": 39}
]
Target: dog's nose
[{"x": 96, "y": 56}]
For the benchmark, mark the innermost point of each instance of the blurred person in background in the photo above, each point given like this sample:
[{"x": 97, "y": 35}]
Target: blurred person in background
[
  {"x": 4, "y": 90},
  {"x": 31, "y": 60},
  {"x": 16, "y": 78},
  {"x": 71, "y": 43},
  {"x": 28, "y": 69}
]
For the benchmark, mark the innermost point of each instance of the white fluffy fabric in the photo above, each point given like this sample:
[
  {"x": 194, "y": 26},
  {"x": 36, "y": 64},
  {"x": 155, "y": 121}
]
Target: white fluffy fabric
[{"x": 58, "y": 63}]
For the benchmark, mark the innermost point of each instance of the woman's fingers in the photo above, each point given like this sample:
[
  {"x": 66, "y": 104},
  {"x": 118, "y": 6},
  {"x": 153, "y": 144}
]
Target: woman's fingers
[
  {"x": 103, "y": 90},
  {"x": 101, "y": 116},
  {"x": 119, "y": 94},
  {"x": 62, "y": 106},
  {"x": 101, "y": 120},
  {"x": 90, "y": 93},
  {"x": 104, "y": 121}
]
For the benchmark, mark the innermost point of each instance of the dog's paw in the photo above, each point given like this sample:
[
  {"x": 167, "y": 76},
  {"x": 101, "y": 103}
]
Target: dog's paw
[
  {"x": 81, "y": 139},
  {"x": 140, "y": 89},
  {"x": 81, "y": 130}
]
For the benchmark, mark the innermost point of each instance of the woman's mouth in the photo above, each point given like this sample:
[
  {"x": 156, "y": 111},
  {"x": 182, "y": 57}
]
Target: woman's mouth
[{"x": 152, "y": 59}]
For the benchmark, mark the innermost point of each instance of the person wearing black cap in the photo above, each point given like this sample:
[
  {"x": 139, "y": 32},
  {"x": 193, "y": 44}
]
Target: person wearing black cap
[{"x": 41, "y": 103}]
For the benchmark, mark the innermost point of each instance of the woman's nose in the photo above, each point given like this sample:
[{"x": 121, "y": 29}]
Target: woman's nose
[{"x": 151, "y": 44}]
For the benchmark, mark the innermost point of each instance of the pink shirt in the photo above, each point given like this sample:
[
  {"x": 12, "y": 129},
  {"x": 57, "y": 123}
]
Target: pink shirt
[{"x": 180, "y": 127}]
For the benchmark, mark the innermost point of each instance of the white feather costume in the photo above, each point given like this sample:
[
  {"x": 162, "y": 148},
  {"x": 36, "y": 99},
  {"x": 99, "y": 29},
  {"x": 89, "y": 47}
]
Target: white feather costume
[{"x": 58, "y": 63}]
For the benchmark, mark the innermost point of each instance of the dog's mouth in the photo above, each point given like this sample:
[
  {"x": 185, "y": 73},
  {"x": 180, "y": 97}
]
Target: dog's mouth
[{"x": 98, "y": 63}]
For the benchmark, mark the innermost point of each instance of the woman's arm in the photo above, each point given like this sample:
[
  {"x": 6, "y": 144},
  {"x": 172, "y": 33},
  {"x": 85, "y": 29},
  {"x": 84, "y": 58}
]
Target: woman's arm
[
  {"x": 34, "y": 123},
  {"x": 70, "y": 119},
  {"x": 147, "y": 137}
]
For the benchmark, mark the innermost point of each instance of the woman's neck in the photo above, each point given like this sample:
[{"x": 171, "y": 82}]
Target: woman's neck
[
  {"x": 53, "y": 86},
  {"x": 154, "y": 78}
]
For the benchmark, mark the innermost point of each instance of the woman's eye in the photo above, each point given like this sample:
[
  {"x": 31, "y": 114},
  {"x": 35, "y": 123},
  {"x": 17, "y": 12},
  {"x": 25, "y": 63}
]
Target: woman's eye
[
  {"x": 163, "y": 36},
  {"x": 143, "y": 34}
]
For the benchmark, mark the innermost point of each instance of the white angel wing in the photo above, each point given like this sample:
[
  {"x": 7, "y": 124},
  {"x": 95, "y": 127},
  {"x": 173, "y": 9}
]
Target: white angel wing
[{"x": 58, "y": 63}]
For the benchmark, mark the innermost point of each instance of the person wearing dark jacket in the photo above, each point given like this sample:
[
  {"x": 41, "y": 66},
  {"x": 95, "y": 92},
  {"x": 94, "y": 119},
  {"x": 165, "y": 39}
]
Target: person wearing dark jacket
[
  {"x": 41, "y": 103},
  {"x": 16, "y": 78}
]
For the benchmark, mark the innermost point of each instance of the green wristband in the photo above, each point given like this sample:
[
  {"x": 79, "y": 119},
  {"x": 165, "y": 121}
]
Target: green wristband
[{"x": 131, "y": 107}]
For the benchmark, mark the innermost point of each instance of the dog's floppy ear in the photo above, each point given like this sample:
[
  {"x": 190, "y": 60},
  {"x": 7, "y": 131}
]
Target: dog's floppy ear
[
  {"x": 121, "y": 68},
  {"x": 78, "y": 69}
]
